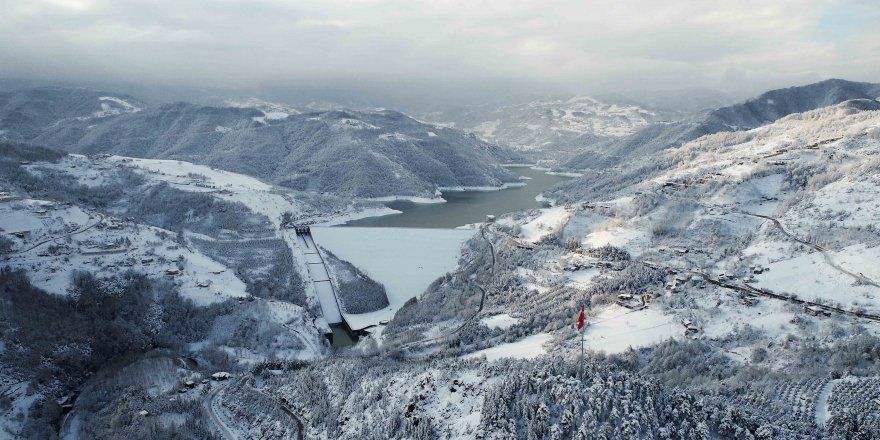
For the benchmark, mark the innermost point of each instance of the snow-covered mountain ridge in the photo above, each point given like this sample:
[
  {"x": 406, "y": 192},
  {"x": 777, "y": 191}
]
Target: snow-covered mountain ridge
[
  {"x": 761, "y": 110},
  {"x": 553, "y": 125},
  {"x": 343, "y": 152}
]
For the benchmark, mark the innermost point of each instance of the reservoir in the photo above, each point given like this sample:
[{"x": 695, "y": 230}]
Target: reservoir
[{"x": 464, "y": 207}]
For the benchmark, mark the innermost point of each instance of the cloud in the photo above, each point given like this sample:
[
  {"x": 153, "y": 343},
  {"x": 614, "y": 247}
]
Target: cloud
[{"x": 572, "y": 44}]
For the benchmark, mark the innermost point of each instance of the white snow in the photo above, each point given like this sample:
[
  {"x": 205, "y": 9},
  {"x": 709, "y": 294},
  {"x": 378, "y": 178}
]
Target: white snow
[
  {"x": 125, "y": 104},
  {"x": 86, "y": 234},
  {"x": 405, "y": 260},
  {"x": 584, "y": 276},
  {"x": 371, "y": 212},
  {"x": 527, "y": 348},
  {"x": 321, "y": 280},
  {"x": 482, "y": 188},
  {"x": 822, "y": 411},
  {"x": 501, "y": 321},
  {"x": 547, "y": 222},
  {"x": 812, "y": 278},
  {"x": 618, "y": 328},
  {"x": 618, "y": 236},
  {"x": 413, "y": 199},
  {"x": 177, "y": 168}
]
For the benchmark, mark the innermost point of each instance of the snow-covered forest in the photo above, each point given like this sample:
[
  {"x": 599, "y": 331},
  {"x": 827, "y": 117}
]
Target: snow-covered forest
[{"x": 726, "y": 270}]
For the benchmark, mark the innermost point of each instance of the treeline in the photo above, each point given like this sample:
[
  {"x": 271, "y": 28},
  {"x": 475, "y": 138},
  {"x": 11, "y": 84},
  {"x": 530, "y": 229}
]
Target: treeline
[
  {"x": 375, "y": 398},
  {"x": 26, "y": 152}
]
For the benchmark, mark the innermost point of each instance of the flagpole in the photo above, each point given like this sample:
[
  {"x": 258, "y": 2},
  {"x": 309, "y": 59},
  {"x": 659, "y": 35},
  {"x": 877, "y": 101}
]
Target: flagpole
[{"x": 582, "y": 353}]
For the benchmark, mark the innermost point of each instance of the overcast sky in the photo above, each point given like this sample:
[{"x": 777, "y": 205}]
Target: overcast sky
[{"x": 559, "y": 46}]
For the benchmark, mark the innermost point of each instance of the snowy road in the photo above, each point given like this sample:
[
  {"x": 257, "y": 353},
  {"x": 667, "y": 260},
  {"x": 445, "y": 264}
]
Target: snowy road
[
  {"x": 822, "y": 411},
  {"x": 859, "y": 277},
  {"x": 78, "y": 231},
  {"x": 210, "y": 405}
]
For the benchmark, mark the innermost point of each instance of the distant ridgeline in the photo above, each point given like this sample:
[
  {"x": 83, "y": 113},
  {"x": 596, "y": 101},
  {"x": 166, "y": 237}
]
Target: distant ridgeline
[
  {"x": 354, "y": 153},
  {"x": 753, "y": 113}
]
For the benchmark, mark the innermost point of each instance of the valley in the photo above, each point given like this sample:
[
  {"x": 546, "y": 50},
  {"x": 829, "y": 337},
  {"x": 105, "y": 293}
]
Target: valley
[{"x": 724, "y": 281}]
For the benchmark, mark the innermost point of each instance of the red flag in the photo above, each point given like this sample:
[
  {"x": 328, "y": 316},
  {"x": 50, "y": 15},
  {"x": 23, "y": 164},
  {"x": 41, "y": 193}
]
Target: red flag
[{"x": 581, "y": 319}]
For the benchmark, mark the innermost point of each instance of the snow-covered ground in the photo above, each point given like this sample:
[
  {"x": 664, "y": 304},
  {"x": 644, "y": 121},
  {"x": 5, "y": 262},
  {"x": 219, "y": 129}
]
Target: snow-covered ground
[
  {"x": 180, "y": 169},
  {"x": 810, "y": 277},
  {"x": 617, "y": 329},
  {"x": 526, "y": 348},
  {"x": 619, "y": 236},
  {"x": 405, "y": 260},
  {"x": 549, "y": 221},
  {"x": 67, "y": 238},
  {"x": 501, "y": 321}
]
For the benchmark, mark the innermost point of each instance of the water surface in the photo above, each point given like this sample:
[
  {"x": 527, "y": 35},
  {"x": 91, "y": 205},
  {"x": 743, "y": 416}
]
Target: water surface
[{"x": 466, "y": 207}]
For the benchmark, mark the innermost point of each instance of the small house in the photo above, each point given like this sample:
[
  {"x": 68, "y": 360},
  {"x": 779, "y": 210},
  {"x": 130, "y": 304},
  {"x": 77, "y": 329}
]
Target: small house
[
  {"x": 490, "y": 218},
  {"x": 220, "y": 376}
]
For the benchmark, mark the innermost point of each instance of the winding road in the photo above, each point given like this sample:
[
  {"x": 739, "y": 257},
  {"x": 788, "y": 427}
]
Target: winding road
[
  {"x": 78, "y": 231},
  {"x": 859, "y": 277},
  {"x": 210, "y": 405}
]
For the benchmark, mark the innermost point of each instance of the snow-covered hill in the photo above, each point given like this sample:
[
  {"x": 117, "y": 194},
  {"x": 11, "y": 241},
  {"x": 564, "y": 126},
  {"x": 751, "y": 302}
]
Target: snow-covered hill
[
  {"x": 761, "y": 110},
  {"x": 728, "y": 283},
  {"x": 352, "y": 153},
  {"x": 24, "y": 114},
  {"x": 743, "y": 254},
  {"x": 552, "y": 126}
]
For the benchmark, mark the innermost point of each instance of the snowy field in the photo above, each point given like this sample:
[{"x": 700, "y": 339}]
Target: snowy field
[
  {"x": 64, "y": 239},
  {"x": 618, "y": 328},
  {"x": 501, "y": 321},
  {"x": 549, "y": 220},
  {"x": 405, "y": 260},
  {"x": 529, "y": 347},
  {"x": 177, "y": 168},
  {"x": 618, "y": 236},
  {"x": 810, "y": 277}
]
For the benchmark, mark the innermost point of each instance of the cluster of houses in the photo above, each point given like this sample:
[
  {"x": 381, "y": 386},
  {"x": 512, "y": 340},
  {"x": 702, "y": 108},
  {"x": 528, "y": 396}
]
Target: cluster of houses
[{"x": 680, "y": 279}]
